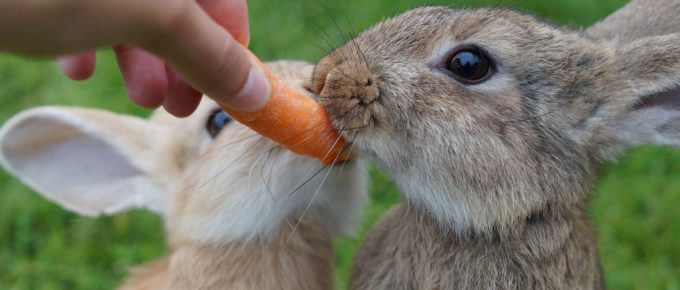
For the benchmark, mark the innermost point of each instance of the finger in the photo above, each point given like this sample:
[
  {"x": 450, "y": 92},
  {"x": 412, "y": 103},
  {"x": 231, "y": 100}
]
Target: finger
[
  {"x": 144, "y": 75},
  {"x": 182, "y": 99},
  {"x": 78, "y": 66},
  {"x": 211, "y": 60},
  {"x": 230, "y": 14}
]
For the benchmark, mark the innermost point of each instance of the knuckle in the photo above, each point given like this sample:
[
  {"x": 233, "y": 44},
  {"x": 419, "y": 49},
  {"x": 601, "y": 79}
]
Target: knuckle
[{"x": 231, "y": 70}]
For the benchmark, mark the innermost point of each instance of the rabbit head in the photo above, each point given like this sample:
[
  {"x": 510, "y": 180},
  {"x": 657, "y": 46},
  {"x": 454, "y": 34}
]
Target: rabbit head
[
  {"x": 484, "y": 116},
  {"x": 214, "y": 180}
]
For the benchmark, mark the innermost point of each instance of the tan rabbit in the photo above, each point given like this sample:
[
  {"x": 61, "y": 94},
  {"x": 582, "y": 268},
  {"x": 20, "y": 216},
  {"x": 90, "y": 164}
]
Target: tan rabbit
[
  {"x": 240, "y": 212},
  {"x": 494, "y": 125}
]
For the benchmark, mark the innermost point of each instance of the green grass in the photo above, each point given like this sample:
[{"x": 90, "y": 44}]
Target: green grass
[{"x": 44, "y": 247}]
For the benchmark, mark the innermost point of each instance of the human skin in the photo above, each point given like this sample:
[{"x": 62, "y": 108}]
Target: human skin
[{"x": 165, "y": 48}]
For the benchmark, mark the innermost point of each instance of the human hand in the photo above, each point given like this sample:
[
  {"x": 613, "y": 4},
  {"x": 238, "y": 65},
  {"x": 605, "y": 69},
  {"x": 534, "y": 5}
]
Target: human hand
[{"x": 200, "y": 40}]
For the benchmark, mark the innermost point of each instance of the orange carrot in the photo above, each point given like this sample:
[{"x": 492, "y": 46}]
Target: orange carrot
[{"x": 295, "y": 121}]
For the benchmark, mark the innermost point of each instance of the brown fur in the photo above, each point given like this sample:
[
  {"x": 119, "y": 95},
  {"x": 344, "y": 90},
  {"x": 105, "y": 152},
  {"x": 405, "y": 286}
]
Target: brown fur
[
  {"x": 240, "y": 211},
  {"x": 639, "y": 18},
  {"x": 513, "y": 162},
  {"x": 496, "y": 175},
  {"x": 291, "y": 258},
  {"x": 551, "y": 251},
  {"x": 303, "y": 262}
]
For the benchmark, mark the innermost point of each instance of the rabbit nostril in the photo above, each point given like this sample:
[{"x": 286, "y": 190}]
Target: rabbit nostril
[
  {"x": 365, "y": 102},
  {"x": 345, "y": 81},
  {"x": 367, "y": 83}
]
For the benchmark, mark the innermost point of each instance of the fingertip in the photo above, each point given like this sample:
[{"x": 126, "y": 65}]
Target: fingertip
[
  {"x": 218, "y": 65},
  {"x": 254, "y": 94},
  {"x": 181, "y": 100},
  {"x": 78, "y": 66},
  {"x": 144, "y": 75},
  {"x": 182, "y": 106},
  {"x": 147, "y": 92},
  {"x": 149, "y": 96}
]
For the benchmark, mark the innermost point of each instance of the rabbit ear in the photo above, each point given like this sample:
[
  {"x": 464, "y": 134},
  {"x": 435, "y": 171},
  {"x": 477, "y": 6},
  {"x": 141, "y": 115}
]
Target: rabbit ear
[
  {"x": 645, "y": 105},
  {"x": 88, "y": 161}
]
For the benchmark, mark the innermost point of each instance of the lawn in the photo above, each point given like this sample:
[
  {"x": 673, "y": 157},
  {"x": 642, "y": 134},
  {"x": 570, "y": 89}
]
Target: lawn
[{"x": 45, "y": 247}]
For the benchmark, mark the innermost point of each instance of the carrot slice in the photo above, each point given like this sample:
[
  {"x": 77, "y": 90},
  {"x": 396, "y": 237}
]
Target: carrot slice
[{"x": 295, "y": 121}]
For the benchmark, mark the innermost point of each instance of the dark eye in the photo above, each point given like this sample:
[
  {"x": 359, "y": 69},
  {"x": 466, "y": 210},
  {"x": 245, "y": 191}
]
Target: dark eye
[
  {"x": 216, "y": 122},
  {"x": 470, "y": 65}
]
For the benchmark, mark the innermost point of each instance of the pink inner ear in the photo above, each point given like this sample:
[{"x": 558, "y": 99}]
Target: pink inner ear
[{"x": 669, "y": 99}]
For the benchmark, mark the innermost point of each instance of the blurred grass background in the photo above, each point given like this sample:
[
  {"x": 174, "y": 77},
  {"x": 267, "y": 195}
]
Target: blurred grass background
[{"x": 45, "y": 247}]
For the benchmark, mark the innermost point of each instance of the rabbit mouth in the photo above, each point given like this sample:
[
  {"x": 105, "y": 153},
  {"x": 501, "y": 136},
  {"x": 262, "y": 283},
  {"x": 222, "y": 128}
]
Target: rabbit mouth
[{"x": 353, "y": 117}]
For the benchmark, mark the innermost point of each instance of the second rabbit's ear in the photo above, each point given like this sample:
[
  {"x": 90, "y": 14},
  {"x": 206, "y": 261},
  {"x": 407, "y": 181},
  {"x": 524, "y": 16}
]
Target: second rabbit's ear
[
  {"x": 89, "y": 161},
  {"x": 644, "y": 103}
]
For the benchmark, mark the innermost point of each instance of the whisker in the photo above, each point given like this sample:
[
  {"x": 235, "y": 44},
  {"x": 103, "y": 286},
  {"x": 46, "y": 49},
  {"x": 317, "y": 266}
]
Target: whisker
[
  {"x": 351, "y": 148},
  {"x": 202, "y": 185},
  {"x": 324, "y": 157},
  {"x": 355, "y": 128},
  {"x": 297, "y": 223},
  {"x": 267, "y": 183},
  {"x": 347, "y": 38},
  {"x": 307, "y": 180},
  {"x": 312, "y": 135},
  {"x": 326, "y": 37},
  {"x": 238, "y": 141},
  {"x": 309, "y": 205},
  {"x": 353, "y": 40}
]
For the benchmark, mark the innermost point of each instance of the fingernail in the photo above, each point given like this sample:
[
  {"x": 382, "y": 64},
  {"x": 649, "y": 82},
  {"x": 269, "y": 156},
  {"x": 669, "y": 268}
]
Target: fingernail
[{"x": 255, "y": 92}]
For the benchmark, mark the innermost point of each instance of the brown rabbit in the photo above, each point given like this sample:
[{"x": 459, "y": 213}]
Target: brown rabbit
[
  {"x": 639, "y": 18},
  {"x": 493, "y": 125},
  {"x": 240, "y": 212}
]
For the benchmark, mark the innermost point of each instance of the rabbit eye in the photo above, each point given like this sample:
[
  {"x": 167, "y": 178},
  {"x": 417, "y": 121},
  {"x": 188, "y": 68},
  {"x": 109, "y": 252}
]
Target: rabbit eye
[
  {"x": 217, "y": 121},
  {"x": 470, "y": 65}
]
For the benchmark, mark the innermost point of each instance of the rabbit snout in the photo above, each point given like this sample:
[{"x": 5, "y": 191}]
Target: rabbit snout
[
  {"x": 349, "y": 82},
  {"x": 351, "y": 92}
]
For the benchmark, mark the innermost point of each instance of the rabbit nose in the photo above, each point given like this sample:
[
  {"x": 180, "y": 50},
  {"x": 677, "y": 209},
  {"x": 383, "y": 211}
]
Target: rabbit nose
[
  {"x": 368, "y": 91},
  {"x": 353, "y": 83},
  {"x": 365, "y": 91}
]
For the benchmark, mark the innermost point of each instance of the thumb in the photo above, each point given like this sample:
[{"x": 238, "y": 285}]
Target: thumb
[{"x": 211, "y": 60}]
